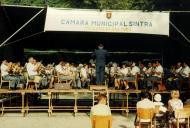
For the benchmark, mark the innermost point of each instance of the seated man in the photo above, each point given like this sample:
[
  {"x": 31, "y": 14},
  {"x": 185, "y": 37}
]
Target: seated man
[
  {"x": 65, "y": 72},
  {"x": 132, "y": 74},
  {"x": 32, "y": 70},
  {"x": 156, "y": 75},
  {"x": 101, "y": 109},
  {"x": 84, "y": 74},
  {"x": 5, "y": 69},
  {"x": 144, "y": 103}
]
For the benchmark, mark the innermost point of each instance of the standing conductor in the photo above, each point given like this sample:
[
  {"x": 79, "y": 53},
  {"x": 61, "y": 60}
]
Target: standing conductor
[{"x": 100, "y": 54}]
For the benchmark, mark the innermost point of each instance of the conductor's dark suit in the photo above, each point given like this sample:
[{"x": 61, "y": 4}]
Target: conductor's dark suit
[{"x": 100, "y": 55}]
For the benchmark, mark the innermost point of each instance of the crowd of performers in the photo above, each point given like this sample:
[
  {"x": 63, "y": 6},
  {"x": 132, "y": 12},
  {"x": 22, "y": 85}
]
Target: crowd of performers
[{"x": 117, "y": 76}]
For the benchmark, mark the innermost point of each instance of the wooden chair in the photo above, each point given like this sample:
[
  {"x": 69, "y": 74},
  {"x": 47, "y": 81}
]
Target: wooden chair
[
  {"x": 159, "y": 117},
  {"x": 5, "y": 81},
  {"x": 135, "y": 81},
  {"x": 63, "y": 81},
  {"x": 145, "y": 116},
  {"x": 186, "y": 106},
  {"x": 182, "y": 116},
  {"x": 101, "y": 121},
  {"x": 29, "y": 81}
]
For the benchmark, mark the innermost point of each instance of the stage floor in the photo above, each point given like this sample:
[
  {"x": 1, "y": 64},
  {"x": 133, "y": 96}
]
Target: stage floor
[{"x": 60, "y": 120}]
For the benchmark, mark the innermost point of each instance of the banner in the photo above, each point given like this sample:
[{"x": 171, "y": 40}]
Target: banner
[{"x": 107, "y": 21}]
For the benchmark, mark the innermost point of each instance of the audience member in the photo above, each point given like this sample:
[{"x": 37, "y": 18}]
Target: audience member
[
  {"x": 145, "y": 102},
  {"x": 173, "y": 104},
  {"x": 101, "y": 109},
  {"x": 158, "y": 102}
]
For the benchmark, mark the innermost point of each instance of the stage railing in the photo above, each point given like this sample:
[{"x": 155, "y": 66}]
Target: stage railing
[{"x": 52, "y": 96}]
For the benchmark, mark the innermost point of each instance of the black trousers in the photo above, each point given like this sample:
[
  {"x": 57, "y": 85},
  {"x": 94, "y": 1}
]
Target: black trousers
[{"x": 100, "y": 70}]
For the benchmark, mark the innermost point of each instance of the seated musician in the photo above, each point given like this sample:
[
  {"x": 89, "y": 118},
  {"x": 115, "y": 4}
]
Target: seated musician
[
  {"x": 32, "y": 69},
  {"x": 148, "y": 71},
  {"x": 156, "y": 74},
  {"x": 173, "y": 81},
  {"x": 185, "y": 71},
  {"x": 178, "y": 69},
  {"x": 65, "y": 73},
  {"x": 184, "y": 75},
  {"x": 6, "y": 75},
  {"x": 132, "y": 74},
  {"x": 84, "y": 74},
  {"x": 142, "y": 76},
  {"x": 92, "y": 73},
  {"x": 114, "y": 74},
  {"x": 76, "y": 75},
  {"x": 121, "y": 80},
  {"x": 49, "y": 73},
  {"x": 144, "y": 103},
  {"x": 17, "y": 70}
]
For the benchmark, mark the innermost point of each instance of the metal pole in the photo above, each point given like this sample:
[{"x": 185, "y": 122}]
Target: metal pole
[
  {"x": 185, "y": 37},
  {"x": 21, "y": 27}
]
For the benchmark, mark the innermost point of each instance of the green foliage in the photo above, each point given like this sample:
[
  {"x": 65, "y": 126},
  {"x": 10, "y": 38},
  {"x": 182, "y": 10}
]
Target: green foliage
[{"x": 94, "y": 4}]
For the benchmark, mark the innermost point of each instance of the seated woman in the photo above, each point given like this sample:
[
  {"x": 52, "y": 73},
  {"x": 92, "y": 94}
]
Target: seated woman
[{"x": 173, "y": 104}]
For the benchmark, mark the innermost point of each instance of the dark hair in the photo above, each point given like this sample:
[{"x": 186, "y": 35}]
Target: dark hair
[
  {"x": 145, "y": 94},
  {"x": 101, "y": 96}
]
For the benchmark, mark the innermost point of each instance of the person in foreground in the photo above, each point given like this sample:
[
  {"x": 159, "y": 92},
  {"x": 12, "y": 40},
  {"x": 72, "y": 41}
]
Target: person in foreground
[
  {"x": 144, "y": 103},
  {"x": 173, "y": 104},
  {"x": 102, "y": 110}
]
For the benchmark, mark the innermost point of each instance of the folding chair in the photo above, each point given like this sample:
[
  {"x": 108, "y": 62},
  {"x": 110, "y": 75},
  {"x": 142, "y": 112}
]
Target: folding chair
[
  {"x": 29, "y": 81},
  {"x": 135, "y": 81},
  {"x": 5, "y": 81},
  {"x": 159, "y": 118},
  {"x": 182, "y": 117},
  {"x": 66, "y": 81},
  {"x": 145, "y": 117}
]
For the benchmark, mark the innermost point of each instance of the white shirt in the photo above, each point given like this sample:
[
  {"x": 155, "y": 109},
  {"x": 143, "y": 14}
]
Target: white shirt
[
  {"x": 158, "y": 69},
  {"x": 31, "y": 69},
  {"x": 124, "y": 71},
  {"x": 135, "y": 70},
  {"x": 176, "y": 104},
  {"x": 113, "y": 71},
  {"x": 100, "y": 110},
  {"x": 145, "y": 103},
  {"x": 185, "y": 71},
  {"x": 161, "y": 108},
  {"x": 144, "y": 69},
  {"x": 148, "y": 71},
  {"x": 178, "y": 70},
  {"x": 4, "y": 71},
  {"x": 83, "y": 72},
  {"x": 59, "y": 69}
]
